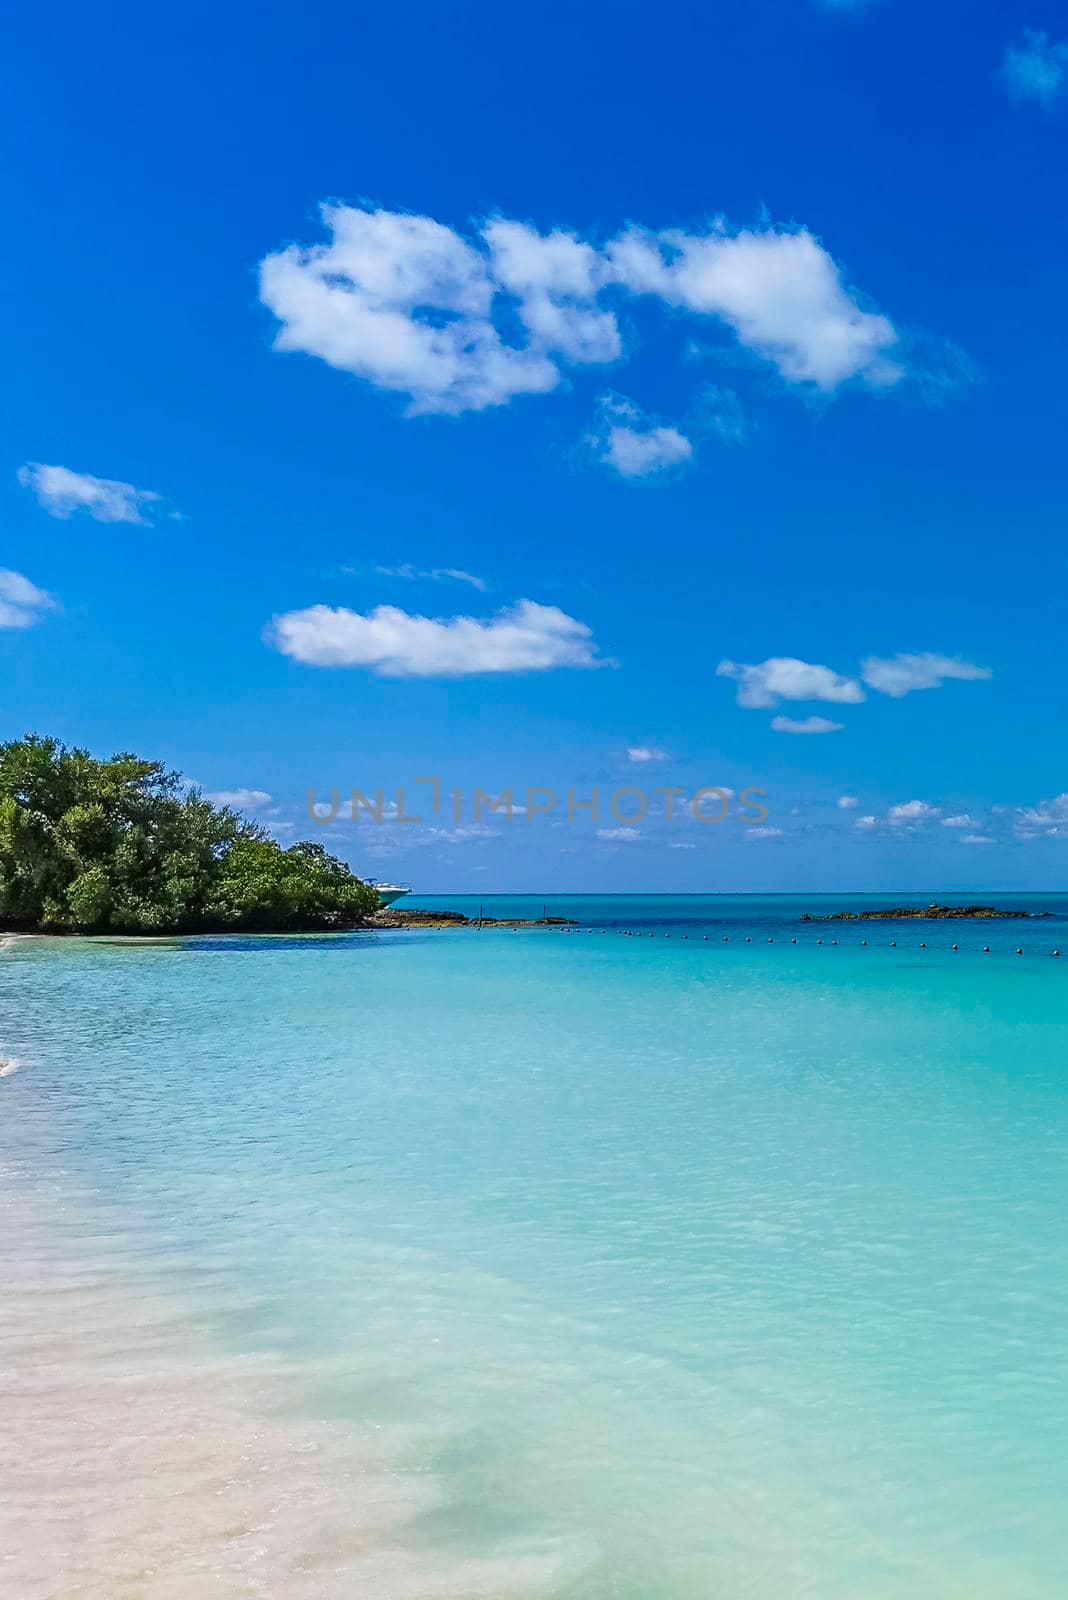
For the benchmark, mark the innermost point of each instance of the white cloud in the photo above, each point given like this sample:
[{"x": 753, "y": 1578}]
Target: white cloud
[
  {"x": 411, "y": 305},
  {"x": 622, "y": 835},
  {"x": 681, "y": 844},
  {"x": 239, "y": 799},
  {"x": 526, "y": 637},
  {"x": 434, "y": 575},
  {"x": 556, "y": 277},
  {"x": 779, "y": 290},
  {"x": 848, "y": 802},
  {"x": 913, "y": 811},
  {"x": 866, "y": 822},
  {"x": 1048, "y": 817},
  {"x": 975, "y": 838},
  {"x": 63, "y": 492},
  {"x": 22, "y": 604},
  {"x": 645, "y": 752},
  {"x": 361, "y": 303},
  {"x": 471, "y": 833},
  {"x": 1036, "y": 69},
  {"x": 963, "y": 820},
  {"x": 637, "y": 453},
  {"x": 629, "y": 442},
  {"x": 786, "y": 678},
  {"x": 766, "y": 683},
  {"x": 805, "y": 725},
  {"x": 762, "y": 833},
  {"x": 899, "y": 675}
]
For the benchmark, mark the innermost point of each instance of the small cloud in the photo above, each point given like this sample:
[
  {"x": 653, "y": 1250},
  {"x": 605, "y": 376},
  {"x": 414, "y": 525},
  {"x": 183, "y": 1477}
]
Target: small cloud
[
  {"x": 762, "y": 833},
  {"x": 434, "y": 575},
  {"x": 778, "y": 678},
  {"x": 22, "y": 604},
  {"x": 1035, "y": 70},
  {"x": 622, "y": 835},
  {"x": 62, "y": 492},
  {"x": 719, "y": 411},
  {"x": 526, "y": 637},
  {"x": 239, "y": 799},
  {"x": 961, "y": 821},
  {"x": 470, "y": 833},
  {"x": 848, "y": 802},
  {"x": 645, "y": 752},
  {"x": 866, "y": 823},
  {"x": 975, "y": 838},
  {"x": 913, "y": 811},
  {"x": 805, "y": 725},
  {"x": 901, "y": 674},
  {"x": 629, "y": 442},
  {"x": 681, "y": 844},
  {"x": 1049, "y": 817}
]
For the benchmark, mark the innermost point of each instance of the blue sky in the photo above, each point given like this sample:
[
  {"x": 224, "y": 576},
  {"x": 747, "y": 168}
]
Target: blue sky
[{"x": 721, "y": 346}]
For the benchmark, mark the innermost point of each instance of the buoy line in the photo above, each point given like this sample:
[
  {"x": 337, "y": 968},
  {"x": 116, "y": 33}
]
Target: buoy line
[{"x": 864, "y": 944}]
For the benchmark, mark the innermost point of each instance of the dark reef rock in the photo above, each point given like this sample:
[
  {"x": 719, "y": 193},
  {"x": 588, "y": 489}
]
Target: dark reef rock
[
  {"x": 931, "y": 913},
  {"x": 392, "y": 917}
]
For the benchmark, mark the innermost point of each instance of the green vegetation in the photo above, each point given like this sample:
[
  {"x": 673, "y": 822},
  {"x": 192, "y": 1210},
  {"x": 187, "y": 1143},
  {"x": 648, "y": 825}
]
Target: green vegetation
[{"x": 123, "y": 846}]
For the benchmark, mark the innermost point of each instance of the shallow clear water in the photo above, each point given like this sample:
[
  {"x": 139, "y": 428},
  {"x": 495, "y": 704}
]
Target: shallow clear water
[{"x": 544, "y": 1263}]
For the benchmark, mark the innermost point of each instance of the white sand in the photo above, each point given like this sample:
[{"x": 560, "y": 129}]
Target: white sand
[{"x": 134, "y": 1462}]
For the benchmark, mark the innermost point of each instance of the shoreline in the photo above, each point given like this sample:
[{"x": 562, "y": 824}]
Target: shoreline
[
  {"x": 383, "y": 922},
  {"x": 164, "y": 1465}
]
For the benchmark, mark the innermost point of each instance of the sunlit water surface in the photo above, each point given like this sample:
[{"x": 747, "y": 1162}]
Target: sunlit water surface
[{"x": 507, "y": 1264}]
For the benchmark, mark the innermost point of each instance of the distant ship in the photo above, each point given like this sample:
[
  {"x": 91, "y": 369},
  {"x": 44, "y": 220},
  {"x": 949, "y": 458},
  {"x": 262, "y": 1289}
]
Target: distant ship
[{"x": 388, "y": 892}]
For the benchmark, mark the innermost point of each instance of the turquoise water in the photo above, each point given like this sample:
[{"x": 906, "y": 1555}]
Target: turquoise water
[{"x": 671, "y": 1270}]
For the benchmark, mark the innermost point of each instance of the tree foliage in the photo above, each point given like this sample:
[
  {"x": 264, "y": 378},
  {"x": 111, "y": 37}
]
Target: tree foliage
[{"x": 88, "y": 845}]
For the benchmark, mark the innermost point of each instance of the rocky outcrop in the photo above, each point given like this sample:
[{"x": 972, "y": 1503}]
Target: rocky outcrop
[
  {"x": 931, "y": 913},
  {"x": 393, "y": 917}
]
